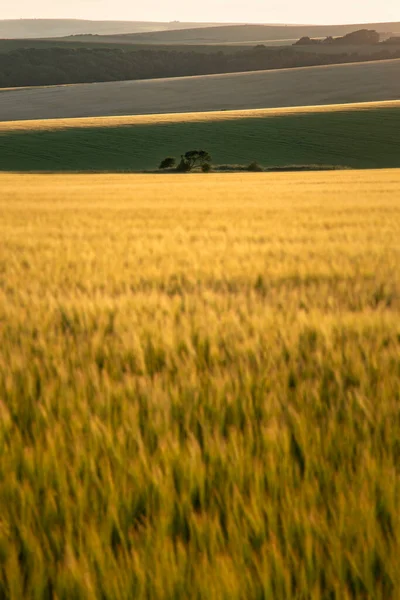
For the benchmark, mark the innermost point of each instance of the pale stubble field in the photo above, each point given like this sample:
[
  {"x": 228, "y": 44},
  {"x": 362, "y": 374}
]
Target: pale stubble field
[{"x": 200, "y": 386}]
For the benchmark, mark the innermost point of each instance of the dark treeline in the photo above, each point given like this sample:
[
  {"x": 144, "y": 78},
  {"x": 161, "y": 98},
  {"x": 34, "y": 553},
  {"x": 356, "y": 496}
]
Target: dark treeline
[
  {"x": 30, "y": 67},
  {"x": 368, "y": 37}
]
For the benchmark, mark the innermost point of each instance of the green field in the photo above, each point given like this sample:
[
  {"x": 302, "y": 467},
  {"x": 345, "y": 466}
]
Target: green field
[{"x": 353, "y": 138}]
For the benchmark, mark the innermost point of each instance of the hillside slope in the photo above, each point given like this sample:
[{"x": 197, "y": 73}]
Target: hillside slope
[
  {"x": 227, "y": 34},
  {"x": 37, "y": 28},
  {"x": 357, "y": 136},
  {"x": 362, "y": 82},
  {"x": 174, "y": 32}
]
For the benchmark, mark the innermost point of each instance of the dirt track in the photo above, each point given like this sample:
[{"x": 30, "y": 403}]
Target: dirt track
[{"x": 361, "y": 82}]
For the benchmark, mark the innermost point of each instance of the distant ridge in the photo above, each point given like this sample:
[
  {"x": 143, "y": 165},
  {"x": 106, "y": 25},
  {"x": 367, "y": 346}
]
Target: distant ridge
[
  {"x": 176, "y": 32},
  {"x": 241, "y": 34},
  {"x": 42, "y": 28}
]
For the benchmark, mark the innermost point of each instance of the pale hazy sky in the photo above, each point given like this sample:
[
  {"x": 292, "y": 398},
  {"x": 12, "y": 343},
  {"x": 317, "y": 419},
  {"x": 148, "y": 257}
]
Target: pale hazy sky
[{"x": 248, "y": 11}]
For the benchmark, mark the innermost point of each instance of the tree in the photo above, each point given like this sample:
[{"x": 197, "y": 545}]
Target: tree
[
  {"x": 167, "y": 163},
  {"x": 183, "y": 166},
  {"x": 206, "y": 167},
  {"x": 254, "y": 167},
  {"x": 192, "y": 159}
]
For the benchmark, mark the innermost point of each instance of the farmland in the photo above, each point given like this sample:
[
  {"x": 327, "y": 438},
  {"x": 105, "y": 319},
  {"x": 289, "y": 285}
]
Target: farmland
[
  {"x": 200, "y": 386},
  {"x": 333, "y": 84},
  {"x": 356, "y": 136}
]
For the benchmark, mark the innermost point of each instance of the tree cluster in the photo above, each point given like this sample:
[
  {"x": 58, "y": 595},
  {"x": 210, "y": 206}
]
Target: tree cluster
[
  {"x": 362, "y": 37},
  {"x": 189, "y": 161},
  {"x": 392, "y": 41}
]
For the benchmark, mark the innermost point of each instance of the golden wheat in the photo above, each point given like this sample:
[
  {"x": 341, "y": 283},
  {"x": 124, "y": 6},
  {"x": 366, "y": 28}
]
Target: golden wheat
[
  {"x": 200, "y": 386},
  {"x": 190, "y": 117}
]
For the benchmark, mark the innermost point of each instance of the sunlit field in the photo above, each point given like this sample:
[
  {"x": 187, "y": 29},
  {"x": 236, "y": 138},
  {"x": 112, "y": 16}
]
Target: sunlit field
[
  {"x": 200, "y": 386},
  {"x": 359, "y": 136}
]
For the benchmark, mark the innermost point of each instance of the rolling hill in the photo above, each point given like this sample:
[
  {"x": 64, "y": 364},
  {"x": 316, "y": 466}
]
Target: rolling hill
[
  {"x": 175, "y": 32},
  {"x": 356, "y": 136},
  {"x": 248, "y": 34},
  {"x": 45, "y": 28},
  {"x": 361, "y": 82}
]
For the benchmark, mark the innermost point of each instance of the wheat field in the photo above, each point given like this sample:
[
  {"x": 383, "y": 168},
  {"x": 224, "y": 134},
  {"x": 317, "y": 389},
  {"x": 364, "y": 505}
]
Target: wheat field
[
  {"x": 191, "y": 117},
  {"x": 200, "y": 386}
]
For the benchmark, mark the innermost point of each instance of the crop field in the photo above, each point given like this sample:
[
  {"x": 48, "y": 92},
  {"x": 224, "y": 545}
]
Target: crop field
[
  {"x": 374, "y": 81},
  {"x": 200, "y": 386},
  {"x": 357, "y": 136}
]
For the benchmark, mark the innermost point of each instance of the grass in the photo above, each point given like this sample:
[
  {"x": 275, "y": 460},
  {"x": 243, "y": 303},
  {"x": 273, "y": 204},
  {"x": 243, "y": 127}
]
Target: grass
[
  {"x": 200, "y": 386},
  {"x": 359, "y": 136}
]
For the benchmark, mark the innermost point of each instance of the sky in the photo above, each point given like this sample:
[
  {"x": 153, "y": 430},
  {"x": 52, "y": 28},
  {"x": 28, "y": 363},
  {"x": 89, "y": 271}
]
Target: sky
[{"x": 250, "y": 11}]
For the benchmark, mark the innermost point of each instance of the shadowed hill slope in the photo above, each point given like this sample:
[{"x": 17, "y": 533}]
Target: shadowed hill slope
[{"x": 362, "y": 82}]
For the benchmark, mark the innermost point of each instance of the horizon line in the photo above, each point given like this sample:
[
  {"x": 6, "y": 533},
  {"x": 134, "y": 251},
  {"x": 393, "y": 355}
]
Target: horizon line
[{"x": 211, "y": 23}]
